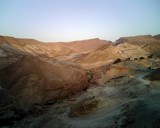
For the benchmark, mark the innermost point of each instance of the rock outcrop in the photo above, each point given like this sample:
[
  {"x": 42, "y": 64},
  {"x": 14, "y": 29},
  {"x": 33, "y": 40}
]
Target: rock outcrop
[{"x": 9, "y": 111}]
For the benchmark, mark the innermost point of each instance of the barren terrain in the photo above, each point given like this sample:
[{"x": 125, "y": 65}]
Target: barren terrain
[{"x": 82, "y": 84}]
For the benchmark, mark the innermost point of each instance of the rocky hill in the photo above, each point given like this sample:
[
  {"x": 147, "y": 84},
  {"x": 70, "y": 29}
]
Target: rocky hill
[
  {"x": 124, "y": 48},
  {"x": 36, "y": 48},
  {"x": 32, "y": 80}
]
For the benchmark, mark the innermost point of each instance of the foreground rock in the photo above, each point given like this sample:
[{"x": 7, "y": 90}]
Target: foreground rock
[
  {"x": 143, "y": 113},
  {"x": 153, "y": 76},
  {"x": 9, "y": 111},
  {"x": 83, "y": 108}
]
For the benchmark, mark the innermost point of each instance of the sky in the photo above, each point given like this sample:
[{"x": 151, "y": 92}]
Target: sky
[{"x": 68, "y": 20}]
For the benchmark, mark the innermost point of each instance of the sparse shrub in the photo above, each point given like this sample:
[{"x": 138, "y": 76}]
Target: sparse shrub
[
  {"x": 117, "y": 61},
  {"x": 150, "y": 56},
  {"x": 141, "y": 58},
  {"x": 127, "y": 59}
]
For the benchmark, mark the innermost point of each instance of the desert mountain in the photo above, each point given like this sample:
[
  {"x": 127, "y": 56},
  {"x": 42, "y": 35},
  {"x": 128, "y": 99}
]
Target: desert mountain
[
  {"x": 31, "y": 47},
  {"x": 124, "y": 48},
  {"x": 80, "y": 84},
  {"x": 13, "y": 46},
  {"x": 88, "y": 45},
  {"x": 146, "y": 42}
]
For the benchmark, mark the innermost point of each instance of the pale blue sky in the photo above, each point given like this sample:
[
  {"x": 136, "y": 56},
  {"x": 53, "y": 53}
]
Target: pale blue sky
[{"x": 67, "y": 20}]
